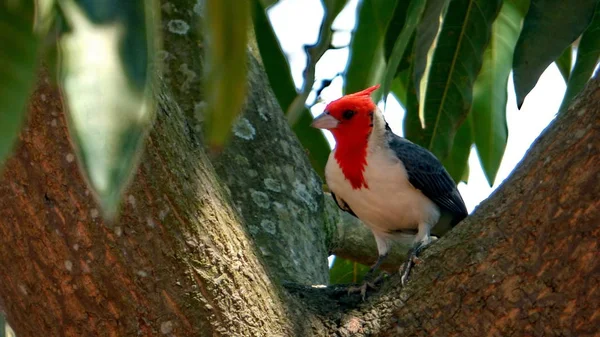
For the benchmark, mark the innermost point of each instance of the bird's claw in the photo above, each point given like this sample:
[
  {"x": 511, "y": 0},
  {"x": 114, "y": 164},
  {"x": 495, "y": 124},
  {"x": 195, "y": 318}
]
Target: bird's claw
[
  {"x": 412, "y": 260},
  {"x": 362, "y": 289}
]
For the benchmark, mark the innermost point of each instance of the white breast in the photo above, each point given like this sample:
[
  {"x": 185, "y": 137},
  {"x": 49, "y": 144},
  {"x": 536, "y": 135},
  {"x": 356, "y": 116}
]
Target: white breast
[{"x": 390, "y": 203}]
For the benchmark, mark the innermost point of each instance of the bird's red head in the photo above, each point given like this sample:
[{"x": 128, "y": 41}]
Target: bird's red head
[
  {"x": 350, "y": 120},
  {"x": 349, "y": 116}
]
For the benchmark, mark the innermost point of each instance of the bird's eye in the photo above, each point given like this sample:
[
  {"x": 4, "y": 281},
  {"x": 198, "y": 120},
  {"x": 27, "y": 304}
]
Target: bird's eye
[{"x": 348, "y": 114}]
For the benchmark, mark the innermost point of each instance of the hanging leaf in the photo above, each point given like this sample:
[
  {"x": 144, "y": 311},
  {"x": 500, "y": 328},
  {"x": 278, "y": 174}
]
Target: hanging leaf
[
  {"x": 412, "y": 126},
  {"x": 280, "y": 79},
  {"x": 550, "y": 26},
  {"x": 490, "y": 92},
  {"x": 415, "y": 10},
  {"x": 273, "y": 58},
  {"x": 457, "y": 163},
  {"x": 425, "y": 36},
  {"x": 345, "y": 271},
  {"x": 563, "y": 62},
  {"x": 366, "y": 62},
  {"x": 226, "y": 37},
  {"x": 457, "y": 59},
  {"x": 588, "y": 54},
  {"x": 400, "y": 87},
  {"x": 109, "y": 98},
  {"x": 18, "y": 60},
  {"x": 393, "y": 31}
]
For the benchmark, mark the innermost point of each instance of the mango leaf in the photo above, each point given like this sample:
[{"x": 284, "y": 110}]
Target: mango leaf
[
  {"x": 273, "y": 57},
  {"x": 366, "y": 62},
  {"x": 18, "y": 61},
  {"x": 313, "y": 55},
  {"x": 280, "y": 79},
  {"x": 393, "y": 30},
  {"x": 457, "y": 163},
  {"x": 490, "y": 93},
  {"x": 413, "y": 129},
  {"x": 549, "y": 27},
  {"x": 109, "y": 98},
  {"x": 457, "y": 59},
  {"x": 427, "y": 31},
  {"x": 225, "y": 32},
  {"x": 588, "y": 54},
  {"x": 415, "y": 10},
  {"x": 400, "y": 87},
  {"x": 345, "y": 271},
  {"x": 563, "y": 62}
]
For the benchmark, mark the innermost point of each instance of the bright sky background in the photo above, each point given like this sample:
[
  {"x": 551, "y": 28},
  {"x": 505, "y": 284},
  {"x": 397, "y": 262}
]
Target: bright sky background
[{"x": 297, "y": 22}]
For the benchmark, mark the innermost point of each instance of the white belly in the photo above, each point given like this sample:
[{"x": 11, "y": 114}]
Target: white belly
[{"x": 390, "y": 203}]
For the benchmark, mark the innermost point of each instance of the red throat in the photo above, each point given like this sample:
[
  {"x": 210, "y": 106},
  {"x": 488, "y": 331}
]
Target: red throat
[{"x": 351, "y": 155}]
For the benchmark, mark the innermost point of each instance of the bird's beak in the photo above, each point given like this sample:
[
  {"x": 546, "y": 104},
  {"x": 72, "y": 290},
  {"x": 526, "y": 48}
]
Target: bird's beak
[{"x": 325, "y": 121}]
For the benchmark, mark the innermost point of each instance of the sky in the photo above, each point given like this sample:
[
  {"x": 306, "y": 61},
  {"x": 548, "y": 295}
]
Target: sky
[{"x": 296, "y": 23}]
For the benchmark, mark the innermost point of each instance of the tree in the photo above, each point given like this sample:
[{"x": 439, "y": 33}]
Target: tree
[{"x": 232, "y": 244}]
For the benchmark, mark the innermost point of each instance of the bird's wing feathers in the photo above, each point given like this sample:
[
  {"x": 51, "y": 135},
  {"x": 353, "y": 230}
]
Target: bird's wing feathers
[
  {"x": 342, "y": 204},
  {"x": 427, "y": 174}
]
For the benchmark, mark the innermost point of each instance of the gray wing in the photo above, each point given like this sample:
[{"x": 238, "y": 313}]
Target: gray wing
[
  {"x": 342, "y": 204},
  {"x": 426, "y": 173}
]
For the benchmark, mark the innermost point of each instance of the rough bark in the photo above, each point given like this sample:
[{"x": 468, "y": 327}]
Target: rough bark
[
  {"x": 178, "y": 261},
  {"x": 264, "y": 168}
]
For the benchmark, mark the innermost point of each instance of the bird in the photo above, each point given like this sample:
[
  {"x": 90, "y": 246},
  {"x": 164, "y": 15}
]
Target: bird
[{"x": 398, "y": 189}]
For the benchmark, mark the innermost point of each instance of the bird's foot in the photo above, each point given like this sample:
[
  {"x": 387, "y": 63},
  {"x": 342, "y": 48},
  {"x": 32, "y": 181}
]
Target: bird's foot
[
  {"x": 362, "y": 289},
  {"x": 413, "y": 259}
]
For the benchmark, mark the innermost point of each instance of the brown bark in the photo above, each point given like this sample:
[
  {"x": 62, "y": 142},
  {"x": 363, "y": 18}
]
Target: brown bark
[{"x": 177, "y": 261}]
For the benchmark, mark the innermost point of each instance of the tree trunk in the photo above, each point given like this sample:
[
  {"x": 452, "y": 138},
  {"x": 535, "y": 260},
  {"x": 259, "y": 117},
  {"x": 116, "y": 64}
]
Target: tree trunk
[{"x": 204, "y": 244}]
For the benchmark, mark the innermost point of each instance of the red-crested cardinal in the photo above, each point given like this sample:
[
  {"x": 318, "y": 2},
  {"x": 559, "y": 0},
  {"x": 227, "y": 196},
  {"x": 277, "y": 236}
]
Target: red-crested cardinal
[{"x": 398, "y": 189}]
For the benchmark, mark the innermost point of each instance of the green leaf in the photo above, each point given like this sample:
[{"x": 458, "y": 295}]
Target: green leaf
[
  {"x": 273, "y": 58},
  {"x": 391, "y": 35},
  {"x": 226, "y": 36},
  {"x": 415, "y": 10},
  {"x": 549, "y": 27},
  {"x": 426, "y": 33},
  {"x": 366, "y": 62},
  {"x": 345, "y": 271},
  {"x": 457, "y": 59},
  {"x": 490, "y": 93},
  {"x": 457, "y": 163},
  {"x": 280, "y": 79},
  {"x": 18, "y": 60},
  {"x": 412, "y": 127},
  {"x": 563, "y": 62},
  {"x": 109, "y": 98},
  {"x": 588, "y": 54},
  {"x": 400, "y": 87}
]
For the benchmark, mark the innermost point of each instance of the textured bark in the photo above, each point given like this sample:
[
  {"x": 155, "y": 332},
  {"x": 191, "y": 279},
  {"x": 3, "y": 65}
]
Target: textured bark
[
  {"x": 178, "y": 260},
  {"x": 264, "y": 168}
]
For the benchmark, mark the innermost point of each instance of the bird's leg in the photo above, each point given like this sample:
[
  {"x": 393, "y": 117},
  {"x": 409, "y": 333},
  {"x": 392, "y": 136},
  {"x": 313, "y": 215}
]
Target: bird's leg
[
  {"x": 413, "y": 257},
  {"x": 367, "y": 280},
  {"x": 422, "y": 240}
]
